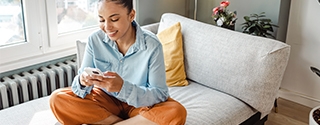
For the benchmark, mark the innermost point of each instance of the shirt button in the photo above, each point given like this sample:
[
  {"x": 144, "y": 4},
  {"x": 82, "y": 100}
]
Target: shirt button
[{"x": 120, "y": 61}]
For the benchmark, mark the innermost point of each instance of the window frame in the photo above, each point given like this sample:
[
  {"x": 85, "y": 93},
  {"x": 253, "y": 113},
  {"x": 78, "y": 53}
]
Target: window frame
[
  {"x": 43, "y": 42},
  {"x": 31, "y": 46},
  {"x": 65, "y": 39}
]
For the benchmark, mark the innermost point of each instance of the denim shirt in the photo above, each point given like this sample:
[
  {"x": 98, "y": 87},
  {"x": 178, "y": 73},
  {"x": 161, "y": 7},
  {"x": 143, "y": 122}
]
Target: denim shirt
[{"x": 142, "y": 67}]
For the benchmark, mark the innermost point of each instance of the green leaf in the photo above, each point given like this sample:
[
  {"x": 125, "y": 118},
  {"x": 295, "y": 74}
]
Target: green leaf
[
  {"x": 245, "y": 26},
  {"x": 253, "y": 25},
  {"x": 266, "y": 26},
  {"x": 270, "y": 29},
  {"x": 262, "y": 15},
  {"x": 246, "y": 18},
  {"x": 255, "y": 15},
  {"x": 255, "y": 20},
  {"x": 259, "y": 26},
  {"x": 251, "y": 30},
  {"x": 265, "y": 20}
]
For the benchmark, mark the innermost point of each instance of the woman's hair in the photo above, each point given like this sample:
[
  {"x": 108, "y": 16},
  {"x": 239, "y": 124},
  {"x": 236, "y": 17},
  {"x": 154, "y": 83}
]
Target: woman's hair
[{"x": 125, "y": 3}]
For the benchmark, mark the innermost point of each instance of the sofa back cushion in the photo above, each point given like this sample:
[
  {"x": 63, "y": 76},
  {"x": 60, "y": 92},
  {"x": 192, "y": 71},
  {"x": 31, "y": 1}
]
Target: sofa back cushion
[
  {"x": 171, "y": 40},
  {"x": 248, "y": 67}
]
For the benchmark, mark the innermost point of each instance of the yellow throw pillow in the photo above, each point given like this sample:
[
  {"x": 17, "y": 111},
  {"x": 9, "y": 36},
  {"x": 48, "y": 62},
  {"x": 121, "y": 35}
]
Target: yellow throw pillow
[{"x": 171, "y": 40}]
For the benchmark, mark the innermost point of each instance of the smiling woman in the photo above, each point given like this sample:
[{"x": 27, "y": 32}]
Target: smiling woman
[{"x": 132, "y": 88}]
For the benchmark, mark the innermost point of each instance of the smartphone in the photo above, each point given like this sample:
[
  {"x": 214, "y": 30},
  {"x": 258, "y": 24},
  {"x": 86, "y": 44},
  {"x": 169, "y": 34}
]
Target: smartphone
[
  {"x": 96, "y": 71},
  {"x": 91, "y": 71}
]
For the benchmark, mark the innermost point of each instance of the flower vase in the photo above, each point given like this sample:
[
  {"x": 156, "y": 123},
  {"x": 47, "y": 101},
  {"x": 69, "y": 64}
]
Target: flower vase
[
  {"x": 230, "y": 27},
  {"x": 221, "y": 24},
  {"x": 314, "y": 116}
]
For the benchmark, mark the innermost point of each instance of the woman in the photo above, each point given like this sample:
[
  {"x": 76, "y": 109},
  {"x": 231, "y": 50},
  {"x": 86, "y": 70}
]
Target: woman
[{"x": 136, "y": 92}]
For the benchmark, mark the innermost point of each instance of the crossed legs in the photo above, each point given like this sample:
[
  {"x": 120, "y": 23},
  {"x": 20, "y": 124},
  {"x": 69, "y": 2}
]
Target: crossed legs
[{"x": 100, "y": 108}]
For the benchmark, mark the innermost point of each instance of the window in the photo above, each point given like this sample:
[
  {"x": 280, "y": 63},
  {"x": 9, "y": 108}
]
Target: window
[
  {"x": 76, "y": 15},
  {"x": 35, "y": 31},
  {"x": 74, "y": 20},
  {"x": 11, "y": 23}
]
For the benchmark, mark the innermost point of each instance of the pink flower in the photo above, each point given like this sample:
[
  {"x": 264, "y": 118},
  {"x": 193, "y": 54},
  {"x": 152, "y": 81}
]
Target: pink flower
[
  {"x": 224, "y": 3},
  {"x": 216, "y": 10},
  {"x": 222, "y": 16}
]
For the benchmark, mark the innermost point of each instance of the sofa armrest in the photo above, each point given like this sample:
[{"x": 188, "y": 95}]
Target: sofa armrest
[
  {"x": 151, "y": 27},
  {"x": 81, "y": 46}
]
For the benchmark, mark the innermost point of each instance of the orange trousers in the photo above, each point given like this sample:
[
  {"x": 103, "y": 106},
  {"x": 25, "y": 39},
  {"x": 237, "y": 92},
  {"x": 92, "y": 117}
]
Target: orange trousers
[{"x": 69, "y": 109}]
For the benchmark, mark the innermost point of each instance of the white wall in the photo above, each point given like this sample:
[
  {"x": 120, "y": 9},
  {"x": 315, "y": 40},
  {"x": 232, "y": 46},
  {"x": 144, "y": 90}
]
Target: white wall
[
  {"x": 150, "y": 11},
  {"x": 276, "y": 10},
  {"x": 299, "y": 83}
]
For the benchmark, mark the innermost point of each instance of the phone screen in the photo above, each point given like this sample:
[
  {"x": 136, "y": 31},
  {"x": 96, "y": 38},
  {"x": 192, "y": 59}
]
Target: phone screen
[{"x": 95, "y": 72}]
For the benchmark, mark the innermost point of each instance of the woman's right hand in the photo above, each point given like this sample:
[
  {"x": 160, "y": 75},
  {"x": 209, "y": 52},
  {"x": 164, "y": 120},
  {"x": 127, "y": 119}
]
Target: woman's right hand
[{"x": 86, "y": 80}]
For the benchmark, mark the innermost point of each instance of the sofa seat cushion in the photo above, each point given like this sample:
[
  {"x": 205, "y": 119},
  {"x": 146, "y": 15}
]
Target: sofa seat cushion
[
  {"x": 207, "y": 106},
  {"x": 35, "y": 112}
]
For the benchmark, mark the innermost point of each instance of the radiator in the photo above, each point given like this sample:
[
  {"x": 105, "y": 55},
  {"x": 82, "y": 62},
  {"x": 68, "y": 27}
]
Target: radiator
[{"x": 28, "y": 85}]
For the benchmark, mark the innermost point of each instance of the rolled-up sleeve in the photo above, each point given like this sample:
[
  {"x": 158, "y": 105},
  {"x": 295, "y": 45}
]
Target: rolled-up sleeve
[{"x": 78, "y": 89}]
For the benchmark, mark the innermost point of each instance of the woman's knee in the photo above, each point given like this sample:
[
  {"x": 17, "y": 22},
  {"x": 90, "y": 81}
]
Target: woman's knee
[
  {"x": 178, "y": 113},
  {"x": 58, "y": 96},
  {"x": 171, "y": 113},
  {"x": 54, "y": 96}
]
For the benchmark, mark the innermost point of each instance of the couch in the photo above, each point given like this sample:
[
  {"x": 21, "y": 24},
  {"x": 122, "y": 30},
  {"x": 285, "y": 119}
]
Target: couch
[{"x": 233, "y": 77}]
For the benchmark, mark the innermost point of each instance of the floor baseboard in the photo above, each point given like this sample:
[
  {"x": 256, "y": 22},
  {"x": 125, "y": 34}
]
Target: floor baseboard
[{"x": 298, "y": 98}]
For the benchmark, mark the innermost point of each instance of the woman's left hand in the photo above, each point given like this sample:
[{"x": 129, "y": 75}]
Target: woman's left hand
[{"x": 111, "y": 81}]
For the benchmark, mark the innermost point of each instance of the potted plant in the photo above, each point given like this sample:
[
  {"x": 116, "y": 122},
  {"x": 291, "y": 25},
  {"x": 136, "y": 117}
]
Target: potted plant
[
  {"x": 314, "y": 116},
  {"x": 257, "y": 24},
  {"x": 223, "y": 17}
]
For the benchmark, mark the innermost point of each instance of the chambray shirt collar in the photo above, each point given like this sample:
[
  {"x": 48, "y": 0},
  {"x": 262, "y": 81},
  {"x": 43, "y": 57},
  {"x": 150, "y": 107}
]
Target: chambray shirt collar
[{"x": 139, "y": 43}]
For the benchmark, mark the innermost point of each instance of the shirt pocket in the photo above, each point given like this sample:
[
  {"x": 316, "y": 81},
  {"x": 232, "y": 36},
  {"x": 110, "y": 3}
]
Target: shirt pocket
[{"x": 103, "y": 65}]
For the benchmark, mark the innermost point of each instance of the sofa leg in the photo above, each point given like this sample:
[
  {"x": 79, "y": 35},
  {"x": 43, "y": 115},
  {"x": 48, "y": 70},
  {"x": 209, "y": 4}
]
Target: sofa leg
[
  {"x": 276, "y": 105},
  {"x": 255, "y": 120}
]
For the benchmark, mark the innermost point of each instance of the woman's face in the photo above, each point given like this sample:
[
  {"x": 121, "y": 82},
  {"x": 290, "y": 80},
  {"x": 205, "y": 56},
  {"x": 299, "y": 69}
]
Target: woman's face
[{"x": 114, "y": 19}]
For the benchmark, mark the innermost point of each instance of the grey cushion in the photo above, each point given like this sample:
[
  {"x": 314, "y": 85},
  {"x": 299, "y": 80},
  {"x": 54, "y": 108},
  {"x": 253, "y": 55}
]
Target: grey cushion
[
  {"x": 207, "y": 106},
  {"x": 151, "y": 27},
  {"x": 248, "y": 67}
]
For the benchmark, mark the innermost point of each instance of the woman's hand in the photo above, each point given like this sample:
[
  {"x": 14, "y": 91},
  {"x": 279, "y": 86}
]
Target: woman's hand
[
  {"x": 111, "y": 81},
  {"x": 85, "y": 79}
]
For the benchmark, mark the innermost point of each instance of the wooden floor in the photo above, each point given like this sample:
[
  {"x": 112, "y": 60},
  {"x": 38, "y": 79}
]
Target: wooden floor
[{"x": 289, "y": 113}]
